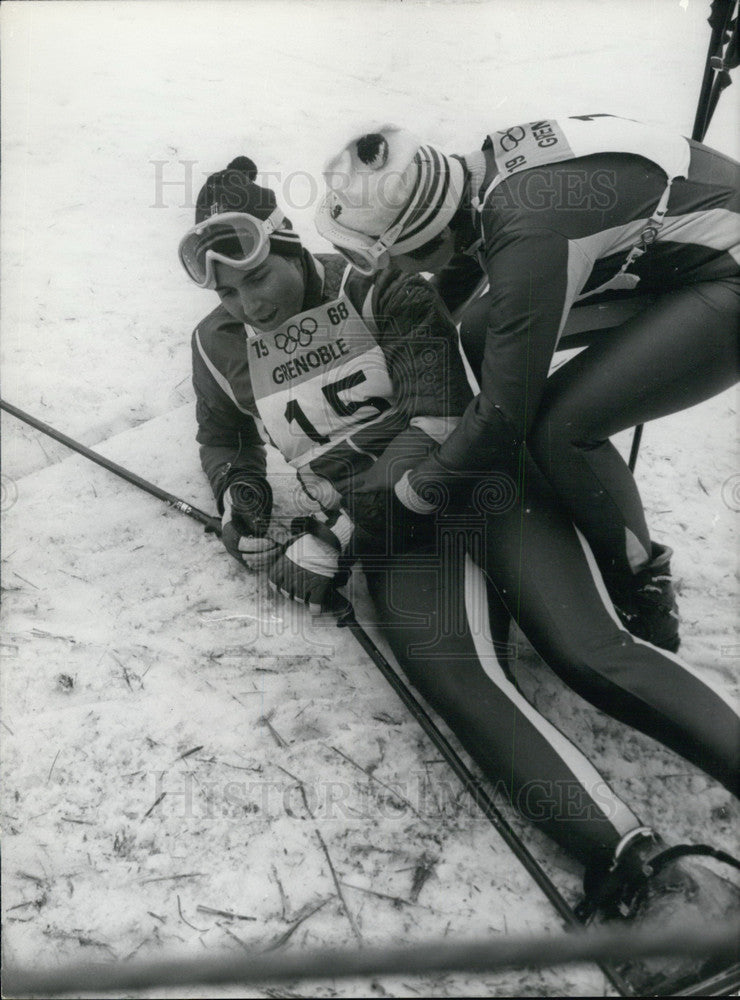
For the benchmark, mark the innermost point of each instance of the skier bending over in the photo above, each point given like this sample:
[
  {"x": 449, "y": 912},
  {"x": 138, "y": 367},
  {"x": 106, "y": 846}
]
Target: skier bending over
[
  {"x": 355, "y": 379},
  {"x": 551, "y": 213}
]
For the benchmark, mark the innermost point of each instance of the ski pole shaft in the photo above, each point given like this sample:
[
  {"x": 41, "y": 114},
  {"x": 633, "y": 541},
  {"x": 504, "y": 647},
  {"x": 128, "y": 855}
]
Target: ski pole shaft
[
  {"x": 722, "y": 78},
  {"x": 346, "y": 619},
  {"x": 719, "y": 19},
  {"x": 635, "y": 449},
  {"x": 211, "y": 523},
  {"x": 712, "y": 85}
]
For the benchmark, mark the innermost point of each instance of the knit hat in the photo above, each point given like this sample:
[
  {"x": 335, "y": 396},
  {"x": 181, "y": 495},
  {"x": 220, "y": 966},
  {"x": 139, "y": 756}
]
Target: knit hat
[
  {"x": 379, "y": 175},
  {"x": 234, "y": 190}
]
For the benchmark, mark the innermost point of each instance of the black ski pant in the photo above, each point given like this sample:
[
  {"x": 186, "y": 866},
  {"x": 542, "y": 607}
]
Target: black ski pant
[
  {"x": 681, "y": 350},
  {"x": 446, "y": 622}
]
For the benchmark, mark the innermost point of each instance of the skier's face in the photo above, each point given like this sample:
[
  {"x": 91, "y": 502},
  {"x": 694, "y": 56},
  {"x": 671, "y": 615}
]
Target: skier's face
[
  {"x": 431, "y": 257},
  {"x": 265, "y": 297}
]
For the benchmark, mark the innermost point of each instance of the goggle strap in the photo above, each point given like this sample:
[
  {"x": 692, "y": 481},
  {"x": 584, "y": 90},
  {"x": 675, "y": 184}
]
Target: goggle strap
[
  {"x": 389, "y": 237},
  {"x": 368, "y": 265},
  {"x": 273, "y": 222}
]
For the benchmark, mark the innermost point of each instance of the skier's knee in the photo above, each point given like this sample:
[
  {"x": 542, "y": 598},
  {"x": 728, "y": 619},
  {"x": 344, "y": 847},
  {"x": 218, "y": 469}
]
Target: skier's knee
[
  {"x": 595, "y": 666},
  {"x": 559, "y": 431}
]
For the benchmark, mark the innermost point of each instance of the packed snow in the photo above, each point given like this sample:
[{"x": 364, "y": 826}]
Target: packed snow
[{"x": 183, "y": 753}]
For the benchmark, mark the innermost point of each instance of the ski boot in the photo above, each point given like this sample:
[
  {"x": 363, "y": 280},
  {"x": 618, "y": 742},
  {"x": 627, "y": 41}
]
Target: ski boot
[
  {"x": 649, "y": 609},
  {"x": 654, "y": 887}
]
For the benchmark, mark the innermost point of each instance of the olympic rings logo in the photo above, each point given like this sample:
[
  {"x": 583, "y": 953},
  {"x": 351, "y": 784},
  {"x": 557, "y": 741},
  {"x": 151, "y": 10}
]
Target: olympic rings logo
[
  {"x": 296, "y": 336},
  {"x": 511, "y": 138}
]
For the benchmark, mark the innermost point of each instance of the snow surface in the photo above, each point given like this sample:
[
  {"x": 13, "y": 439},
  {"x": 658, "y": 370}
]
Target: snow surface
[{"x": 138, "y": 660}]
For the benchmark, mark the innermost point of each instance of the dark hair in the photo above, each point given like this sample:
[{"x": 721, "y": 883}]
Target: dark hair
[{"x": 247, "y": 166}]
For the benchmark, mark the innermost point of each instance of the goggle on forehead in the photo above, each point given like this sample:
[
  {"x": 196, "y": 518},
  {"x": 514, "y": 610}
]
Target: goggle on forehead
[{"x": 232, "y": 238}]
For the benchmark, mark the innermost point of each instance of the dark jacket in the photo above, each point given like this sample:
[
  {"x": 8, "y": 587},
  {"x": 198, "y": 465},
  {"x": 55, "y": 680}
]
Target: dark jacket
[{"x": 550, "y": 235}]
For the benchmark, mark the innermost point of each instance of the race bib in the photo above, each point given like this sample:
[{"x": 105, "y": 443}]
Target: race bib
[
  {"x": 317, "y": 378},
  {"x": 535, "y": 144},
  {"x": 520, "y": 147}
]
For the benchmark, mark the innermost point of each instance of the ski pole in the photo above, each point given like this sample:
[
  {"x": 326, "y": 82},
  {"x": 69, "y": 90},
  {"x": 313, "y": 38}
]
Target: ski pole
[
  {"x": 635, "y": 448},
  {"x": 346, "y": 619},
  {"x": 711, "y": 89},
  {"x": 727, "y": 60},
  {"x": 211, "y": 523},
  {"x": 719, "y": 19}
]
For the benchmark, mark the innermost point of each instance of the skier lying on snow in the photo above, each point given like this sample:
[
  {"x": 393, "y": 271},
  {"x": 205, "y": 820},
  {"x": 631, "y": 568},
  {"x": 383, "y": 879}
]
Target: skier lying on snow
[
  {"x": 550, "y": 213},
  {"x": 355, "y": 380}
]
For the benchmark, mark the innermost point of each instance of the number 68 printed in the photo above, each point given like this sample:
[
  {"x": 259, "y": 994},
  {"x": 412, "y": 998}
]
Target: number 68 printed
[{"x": 337, "y": 313}]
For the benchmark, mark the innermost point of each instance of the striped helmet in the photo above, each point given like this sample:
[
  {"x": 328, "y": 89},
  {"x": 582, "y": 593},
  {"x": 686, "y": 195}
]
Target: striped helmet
[{"x": 386, "y": 179}]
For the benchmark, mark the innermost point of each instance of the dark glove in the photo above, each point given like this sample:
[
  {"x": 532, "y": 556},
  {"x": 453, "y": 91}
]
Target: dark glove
[
  {"x": 246, "y": 517},
  {"x": 382, "y": 512},
  {"x": 314, "y": 564},
  {"x": 382, "y": 500}
]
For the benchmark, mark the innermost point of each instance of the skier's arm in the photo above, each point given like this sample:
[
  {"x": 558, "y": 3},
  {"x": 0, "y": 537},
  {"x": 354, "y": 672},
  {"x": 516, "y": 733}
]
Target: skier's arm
[
  {"x": 231, "y": 448},
  {"x": 534, "y": 275},
  {"x": 419, "y": 341},
  {"x": 457, "y": 280},
  {"x": 233, "y": 457},
  {"x": 420, "y": 344}
]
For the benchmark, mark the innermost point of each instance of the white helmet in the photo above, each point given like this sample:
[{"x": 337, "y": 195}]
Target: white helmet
[{"x": 388, "y": 194}]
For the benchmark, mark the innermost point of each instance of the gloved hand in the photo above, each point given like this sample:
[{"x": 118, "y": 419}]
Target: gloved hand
[
  {"x": 383, "y": 498},
  {"x": 246, "y": 517},
  {"x": 385, "y": 522},
  {"x": 314, "y": 564}
]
